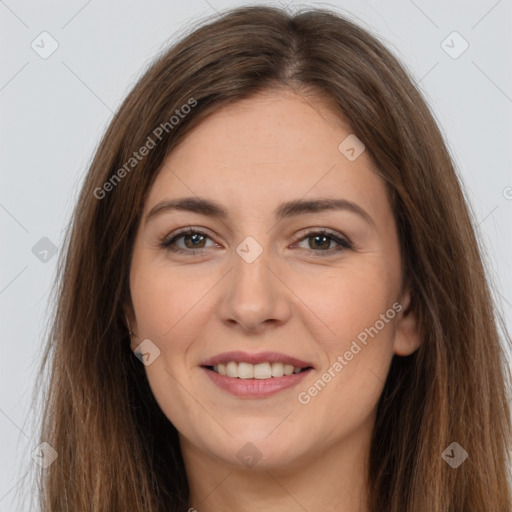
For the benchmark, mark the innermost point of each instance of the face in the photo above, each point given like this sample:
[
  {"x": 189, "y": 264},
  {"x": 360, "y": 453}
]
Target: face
[{"x": 316, "y": 287}]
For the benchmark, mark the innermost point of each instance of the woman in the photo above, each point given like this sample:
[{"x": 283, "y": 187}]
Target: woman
[{"x": 273, "y": 225}]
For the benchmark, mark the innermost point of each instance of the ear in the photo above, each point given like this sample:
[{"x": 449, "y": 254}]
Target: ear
[{"x": 407, "y": 335}]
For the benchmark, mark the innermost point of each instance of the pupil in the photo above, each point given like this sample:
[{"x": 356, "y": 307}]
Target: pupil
[
  {"x": 195, "y": 238},
  {"x": 317, "y": 238}
]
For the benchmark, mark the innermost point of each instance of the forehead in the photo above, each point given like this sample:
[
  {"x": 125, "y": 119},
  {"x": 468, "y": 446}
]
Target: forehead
[{"x": 263, "y": 149}]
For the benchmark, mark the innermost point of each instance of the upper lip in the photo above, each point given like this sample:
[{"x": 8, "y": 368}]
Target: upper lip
[{"x": 260, "y": 357}]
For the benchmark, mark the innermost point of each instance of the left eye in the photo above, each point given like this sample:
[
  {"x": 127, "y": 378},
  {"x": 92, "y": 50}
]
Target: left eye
[
  {"x": 323, "y": 239},
  {"x": 194, "y": 242}
]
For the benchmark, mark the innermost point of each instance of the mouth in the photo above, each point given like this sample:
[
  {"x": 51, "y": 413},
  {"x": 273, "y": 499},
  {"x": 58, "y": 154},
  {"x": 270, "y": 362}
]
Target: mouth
[
  {"x": 255, "y": 375},
  {"x": 255, "y": 381},
  {"x": 261, "y": 371}
]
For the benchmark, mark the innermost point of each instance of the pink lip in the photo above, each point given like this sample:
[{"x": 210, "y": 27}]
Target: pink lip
[
  {"x": 261, "y": 357},
  {"x": 255, "y": 388}
]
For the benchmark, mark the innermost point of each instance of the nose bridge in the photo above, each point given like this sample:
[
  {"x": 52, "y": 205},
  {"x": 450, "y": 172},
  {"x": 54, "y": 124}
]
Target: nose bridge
[{"x": 251, "y": 270}]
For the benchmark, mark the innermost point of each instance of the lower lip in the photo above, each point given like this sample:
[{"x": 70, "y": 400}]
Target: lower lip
[{"x": 255, "y": 388}]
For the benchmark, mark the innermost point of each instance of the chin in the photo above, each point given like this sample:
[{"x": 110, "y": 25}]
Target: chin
[{"x": 261, "y": 451}]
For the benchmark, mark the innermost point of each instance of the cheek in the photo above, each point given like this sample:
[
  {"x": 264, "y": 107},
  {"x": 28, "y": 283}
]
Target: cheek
[
  {"x": 163, "y": 299},
  {"x": 348, "y": 301},
  {"x": 166, "y": 309},
  {"x": 356, "y": 310}
]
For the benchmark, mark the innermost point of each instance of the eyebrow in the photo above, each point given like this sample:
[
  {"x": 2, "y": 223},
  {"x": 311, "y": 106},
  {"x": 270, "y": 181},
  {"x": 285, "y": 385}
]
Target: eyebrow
[{"x": 288, "y": 209}]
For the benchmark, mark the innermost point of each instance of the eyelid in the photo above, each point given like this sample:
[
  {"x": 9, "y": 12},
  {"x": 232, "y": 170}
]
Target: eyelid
[
  {"x": 318, "y": 229},
  {"x": 175, "y": 235}
]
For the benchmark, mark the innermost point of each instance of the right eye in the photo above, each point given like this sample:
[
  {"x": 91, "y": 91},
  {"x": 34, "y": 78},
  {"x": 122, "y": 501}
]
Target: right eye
[{"x": 193, "y": 240}]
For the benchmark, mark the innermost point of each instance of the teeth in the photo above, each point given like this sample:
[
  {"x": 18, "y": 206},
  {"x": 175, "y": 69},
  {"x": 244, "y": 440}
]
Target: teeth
[
  {"x": 277, "y": 370},
  {"x": 245, "y": 371},
  {"x": 260, "y": 371},
  {"x": 232, "y": 369}
]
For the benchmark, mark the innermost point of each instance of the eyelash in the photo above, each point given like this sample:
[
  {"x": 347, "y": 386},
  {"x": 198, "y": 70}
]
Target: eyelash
[{"x": 168, "y": 241}]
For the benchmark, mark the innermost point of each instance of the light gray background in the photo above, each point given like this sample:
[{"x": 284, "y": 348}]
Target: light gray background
[{"x": 54, "y": 111}]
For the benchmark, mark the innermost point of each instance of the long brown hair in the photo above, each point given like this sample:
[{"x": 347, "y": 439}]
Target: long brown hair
[{"x": 116, "y": 449}]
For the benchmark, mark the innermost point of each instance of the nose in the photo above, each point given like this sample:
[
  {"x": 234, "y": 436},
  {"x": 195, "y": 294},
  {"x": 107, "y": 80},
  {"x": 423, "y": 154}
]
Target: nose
[{"x": 254, "y": 296}]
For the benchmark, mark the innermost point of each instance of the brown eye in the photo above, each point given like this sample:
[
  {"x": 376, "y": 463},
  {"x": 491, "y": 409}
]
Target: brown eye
[
  {"x": 193, "y": 241},
  {"x": 196, "y": 240},
  {"x": 320, "y": 241}
]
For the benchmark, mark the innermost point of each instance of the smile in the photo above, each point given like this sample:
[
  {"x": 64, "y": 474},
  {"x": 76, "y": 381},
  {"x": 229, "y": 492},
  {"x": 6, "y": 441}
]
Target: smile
[
  {"x": 260, "y": 371},
  {"x": 256, "y": 387}
]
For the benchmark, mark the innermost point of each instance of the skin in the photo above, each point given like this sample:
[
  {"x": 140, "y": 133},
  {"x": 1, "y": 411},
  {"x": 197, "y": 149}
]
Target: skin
[{"x": 294, "y": 298}]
